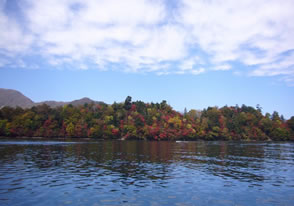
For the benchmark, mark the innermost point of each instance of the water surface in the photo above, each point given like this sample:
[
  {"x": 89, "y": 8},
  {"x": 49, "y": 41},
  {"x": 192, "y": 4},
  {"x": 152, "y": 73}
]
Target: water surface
[{"x": 146, "y": 173}]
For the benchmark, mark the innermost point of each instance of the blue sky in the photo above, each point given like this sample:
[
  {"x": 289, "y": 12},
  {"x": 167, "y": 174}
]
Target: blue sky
[{"x": 191, "y": 53}]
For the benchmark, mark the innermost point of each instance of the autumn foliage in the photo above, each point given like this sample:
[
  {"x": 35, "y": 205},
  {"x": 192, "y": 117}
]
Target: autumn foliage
[{"x": 138, "y": 120}]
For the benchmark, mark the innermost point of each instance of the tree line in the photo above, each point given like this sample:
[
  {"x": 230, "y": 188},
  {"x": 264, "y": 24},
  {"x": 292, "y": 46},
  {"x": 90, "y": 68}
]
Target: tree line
[{"x": 139, "y": 120}]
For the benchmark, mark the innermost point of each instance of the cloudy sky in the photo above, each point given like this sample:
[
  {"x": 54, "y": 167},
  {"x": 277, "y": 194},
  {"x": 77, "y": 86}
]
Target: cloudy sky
[{"x": 192, "y": 53}]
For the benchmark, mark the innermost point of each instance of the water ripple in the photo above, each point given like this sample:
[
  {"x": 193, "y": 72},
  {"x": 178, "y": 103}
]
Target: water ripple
[{"x": 146, "y": 173}]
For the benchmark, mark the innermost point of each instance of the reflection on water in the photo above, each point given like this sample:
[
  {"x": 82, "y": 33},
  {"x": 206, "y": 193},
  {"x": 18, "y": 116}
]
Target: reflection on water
[{"x": 146, "y": 173}]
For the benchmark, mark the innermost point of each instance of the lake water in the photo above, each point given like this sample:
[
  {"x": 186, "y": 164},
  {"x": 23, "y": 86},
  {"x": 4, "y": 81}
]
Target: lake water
[{"x": 146, "y": 173}]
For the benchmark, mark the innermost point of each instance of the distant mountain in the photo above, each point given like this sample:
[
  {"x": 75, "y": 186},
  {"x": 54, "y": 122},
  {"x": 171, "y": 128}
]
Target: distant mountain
[
  {"x": 83, "y": 101},
  {"x": 78, "y": 102},
  {"x": 51, "y": 103},
  {"x": 13, "y": 98}
]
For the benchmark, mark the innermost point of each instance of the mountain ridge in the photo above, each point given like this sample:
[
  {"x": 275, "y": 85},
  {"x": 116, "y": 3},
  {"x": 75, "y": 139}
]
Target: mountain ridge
[{"x": 14, "y": 98}]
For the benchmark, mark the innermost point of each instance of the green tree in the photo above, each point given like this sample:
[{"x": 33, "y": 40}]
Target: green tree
[
  {"x": 128, "y": 103},
  {"x": 4, "y": 130},
  {"x": 70, "y": 129},
  {"x": 290, "y": 123}
]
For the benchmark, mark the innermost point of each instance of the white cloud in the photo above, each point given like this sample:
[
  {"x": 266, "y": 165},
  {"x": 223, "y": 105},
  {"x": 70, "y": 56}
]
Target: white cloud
[
  {"x": 248, "y": 31},
  {"x": 285, "y": 66},
  {"x": 190, "y": 63},
  {"x": 197, "y": 71},
  {"x": 144, "y": 36},
  {"x": 223, "y": 67},
  {"x": 289, "y": 80},
  {"x": 164, "y": 43},
  {"x": 3, "y": 62},
  {"x": 129, "y": 32},
  {"x": 127, "y": 12},
  {"x": 163, "y": 73},
  {"x": 12, "y": 38}
]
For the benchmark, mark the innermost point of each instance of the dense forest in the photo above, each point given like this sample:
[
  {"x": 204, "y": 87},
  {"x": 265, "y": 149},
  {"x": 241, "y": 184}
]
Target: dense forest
[{"x": 139, "y": 120}]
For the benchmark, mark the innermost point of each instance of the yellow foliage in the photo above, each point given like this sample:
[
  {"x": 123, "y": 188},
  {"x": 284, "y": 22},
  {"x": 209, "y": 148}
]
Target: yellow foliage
[
  {"x": 108, "y": 118},
  {"x": 175, "y": 121}
]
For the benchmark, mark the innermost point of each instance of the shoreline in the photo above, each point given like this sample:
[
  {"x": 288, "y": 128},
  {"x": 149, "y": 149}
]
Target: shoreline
[{"x": 132, "y": 139}]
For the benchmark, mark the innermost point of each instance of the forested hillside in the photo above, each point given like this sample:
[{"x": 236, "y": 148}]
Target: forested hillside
[{"x": 139, "y": 120}]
